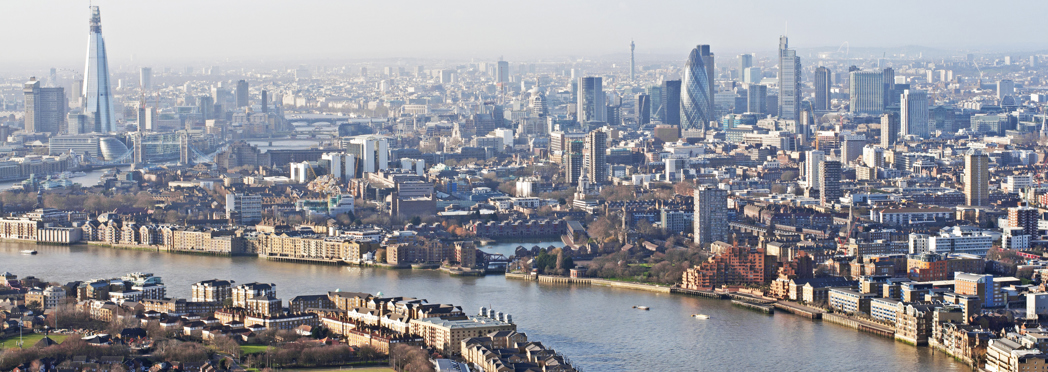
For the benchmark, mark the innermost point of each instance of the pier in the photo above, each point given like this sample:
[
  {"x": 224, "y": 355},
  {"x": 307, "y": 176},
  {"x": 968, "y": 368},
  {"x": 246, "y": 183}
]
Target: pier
[{"x": 752, "y": 306}]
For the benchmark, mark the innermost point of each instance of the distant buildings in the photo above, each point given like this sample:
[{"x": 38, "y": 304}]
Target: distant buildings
[
  {"x": 822, "y": 88},
  {"x": 45, "y": 108},
  {"x": 867, "y": 92},
  {"x": 830, "y": 182},
  {"x": 914, "y": 110},
  {"x": 591, "y": 103},
  {"x": 595, "y": 160}
]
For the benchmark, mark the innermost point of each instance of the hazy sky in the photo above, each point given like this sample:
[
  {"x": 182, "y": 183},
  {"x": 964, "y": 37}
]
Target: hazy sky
[{"x": 170, "y": 33}]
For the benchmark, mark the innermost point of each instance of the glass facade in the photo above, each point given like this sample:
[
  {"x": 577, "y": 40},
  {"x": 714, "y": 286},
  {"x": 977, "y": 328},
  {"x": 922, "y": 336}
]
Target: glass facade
[{"x": 695, "y": 97}]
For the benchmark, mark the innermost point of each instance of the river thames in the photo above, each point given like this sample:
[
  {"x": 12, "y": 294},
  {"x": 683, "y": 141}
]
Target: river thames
[{"x": 595, "y": 327}]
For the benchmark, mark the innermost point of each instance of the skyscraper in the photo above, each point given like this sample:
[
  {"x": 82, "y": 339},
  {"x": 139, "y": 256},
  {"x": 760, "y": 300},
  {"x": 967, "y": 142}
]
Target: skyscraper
[
  {"x": 643, "y": 108},
  {"x": 866, "y": 90},
  {"x": 98, "y": 99},
  {"x": 752, "y": 75},
  {"x": 655, "y": 95},
  {"x": 671, "y": 102},
  {"x": 591, "y": 101},
  {"x": 242, "y": 97},
  {"x": 696, "y": 102},
  {"x": 265, "y": 101},
  {"x": 888, "y": 74},
  {"x": 829, "y": 182},
  {"x": 822, "y": 88},
  {"x": 889, "y": 129},
  {"x": 595, "y": 160},
  {"x": 633, "y": 65},
  {"x": 914, "y": 113},
  {"x": 977, "y": 178},
  {"x": 145, "y": 78},
  {"x": 745, "y": 61},
  {"x": 789, "y": 81},
  {"x": 710, "y": 215},
  {"x": 45, "y": 108},
  {"x": 502, "y": 75},
  {"x": 756, "y": 98}
]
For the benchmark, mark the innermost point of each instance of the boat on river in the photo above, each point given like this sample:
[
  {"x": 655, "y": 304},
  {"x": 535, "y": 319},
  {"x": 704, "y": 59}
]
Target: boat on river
[
  {"x": 29, "y": 251},
  {"x": 700, "y": 316},
  {"x": 642, "y": 308}
]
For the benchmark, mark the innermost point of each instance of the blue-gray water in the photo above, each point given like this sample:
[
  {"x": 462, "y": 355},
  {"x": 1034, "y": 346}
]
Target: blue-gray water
[{"x": 595, "y": 327}]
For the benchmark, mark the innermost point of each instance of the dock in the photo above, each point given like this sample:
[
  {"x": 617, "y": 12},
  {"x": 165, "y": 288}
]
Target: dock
[{"x": 753, "y": 306}]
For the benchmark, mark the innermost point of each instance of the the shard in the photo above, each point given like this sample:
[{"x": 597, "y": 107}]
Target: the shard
[{"x": 98, "y": 98}]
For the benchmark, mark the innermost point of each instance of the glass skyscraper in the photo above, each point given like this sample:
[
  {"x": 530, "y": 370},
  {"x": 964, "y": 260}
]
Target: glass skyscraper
[
  {"x": 789, "y": 81},
  {"x": 98, "y": 98},
  {"x": 866, "y": 91},
  {"x": 696, "y": 98}
]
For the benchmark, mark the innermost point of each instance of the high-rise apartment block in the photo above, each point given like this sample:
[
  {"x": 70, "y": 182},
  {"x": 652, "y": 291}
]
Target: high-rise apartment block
[
  {"x": 711, "y": 215},
  {"x": 977, "y": 178}
]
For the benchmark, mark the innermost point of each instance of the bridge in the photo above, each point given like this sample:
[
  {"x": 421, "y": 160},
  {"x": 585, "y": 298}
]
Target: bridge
[
  {"x": 195, "y": 156},
  {"x": 325, "y": 118}
]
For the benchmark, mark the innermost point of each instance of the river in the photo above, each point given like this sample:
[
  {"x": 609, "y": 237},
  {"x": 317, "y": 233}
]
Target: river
[{"x": 595, "y": 327}]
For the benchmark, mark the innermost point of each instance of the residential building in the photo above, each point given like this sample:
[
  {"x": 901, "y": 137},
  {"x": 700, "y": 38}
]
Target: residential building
[{"x": 710, "y": 215}]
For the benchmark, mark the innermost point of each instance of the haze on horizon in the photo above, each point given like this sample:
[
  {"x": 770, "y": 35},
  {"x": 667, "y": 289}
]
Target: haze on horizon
[{"x": 53, "y": 33}]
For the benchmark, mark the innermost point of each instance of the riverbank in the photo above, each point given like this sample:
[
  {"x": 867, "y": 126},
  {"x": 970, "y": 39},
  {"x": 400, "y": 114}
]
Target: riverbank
[{"x": 741, "y": 298}]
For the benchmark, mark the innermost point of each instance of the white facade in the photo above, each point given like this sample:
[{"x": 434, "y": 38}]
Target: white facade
[
  {"x": 373, "y": 152},
  {"x": 1036, "y": 304},
  {"x": 914, "y": 113},
  {"x": 812, "y": 159},
  {"x": 1015, "y": 183}
]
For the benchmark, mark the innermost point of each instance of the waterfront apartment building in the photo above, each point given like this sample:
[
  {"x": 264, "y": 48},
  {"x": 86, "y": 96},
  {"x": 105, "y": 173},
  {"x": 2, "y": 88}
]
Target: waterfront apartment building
[
  {"x": 446, "y": 334},
  {"x": 736, "y": 265},
  {"x": 214, "y": 290},
  {"x": 244, "y": 292}
]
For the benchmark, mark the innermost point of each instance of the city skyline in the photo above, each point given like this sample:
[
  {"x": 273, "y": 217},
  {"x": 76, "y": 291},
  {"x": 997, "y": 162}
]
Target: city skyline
[{"x": 241, "y": 32}]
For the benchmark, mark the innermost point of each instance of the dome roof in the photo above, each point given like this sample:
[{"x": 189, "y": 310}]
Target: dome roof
[{"x": 111, "y": 148}]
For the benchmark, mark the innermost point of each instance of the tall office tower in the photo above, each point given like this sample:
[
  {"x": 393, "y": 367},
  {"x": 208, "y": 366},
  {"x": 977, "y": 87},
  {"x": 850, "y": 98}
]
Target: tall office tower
[
  {"x": 914, "y": 113},
  {"x": 595, "y": 161},
  {"x": 655, "y": 95},
  {"x": 812, "y": 161},
  {"x": 822, "y": 88},
  {"x": 789, "y": 81},
  {"x": 977, "y": 178},
  {"x": 591, "y": 105},
  {"x": 851, "y": 146},
  {"x": 745, "y": 62},
  {"x": 265, "y": 101},
  {"x": 889, "y": 129},
  {"x": 206, "y": 106},
  {"x": 573, "y": 154},
  {"x": 643, "y": 108},
  {"x": 45, "y": 108},
  {"x": 829, "y": 182},
  {"x": 183, "y": 148},
  {"x": 710, "y": 215},
  {"x": 145, "y": 78},
  {"x": 363, "y": 72},
  {"x": 671, "y": 102},
  {"x": 502, "y": 75},
  {"x": 866, "y": 90},
  {"x": 888, "y": 74},
  {"x": 752, "y": 75},
  {"x": 696, "y": 98},
  {"x": 372, "y": 152},
  {"x": 242, "y": 97},
  {"x": 98, "y": 99},
  {"x": 1005, "y": 88},
  {"x": 633, "y": 62},
  {"x": 756, "y": 99},
  {"x": 1024, "y": 217},
  {"x": 52, "y": 80}
]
